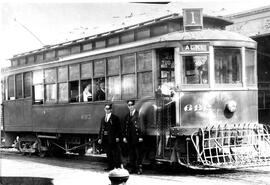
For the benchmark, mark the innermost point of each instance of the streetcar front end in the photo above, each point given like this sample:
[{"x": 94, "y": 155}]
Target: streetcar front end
[{"x": 216, "y": 102}]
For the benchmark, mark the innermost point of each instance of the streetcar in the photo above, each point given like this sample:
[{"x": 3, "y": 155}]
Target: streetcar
[{"x": 194, "y": 83}]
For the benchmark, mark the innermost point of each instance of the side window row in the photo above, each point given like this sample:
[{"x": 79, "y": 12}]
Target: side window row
[{"x": 115, "y": 78}]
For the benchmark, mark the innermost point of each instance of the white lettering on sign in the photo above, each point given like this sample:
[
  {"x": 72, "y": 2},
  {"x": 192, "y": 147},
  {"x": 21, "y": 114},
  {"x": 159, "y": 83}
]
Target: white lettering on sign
[
  {"x": 193, "y": 19},
  {"x": 195, "y": 47},
  {"x": 196, "y": 108}
]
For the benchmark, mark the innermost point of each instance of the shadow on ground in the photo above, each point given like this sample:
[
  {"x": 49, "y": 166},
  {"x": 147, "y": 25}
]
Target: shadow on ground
[{"x": 25, "y": 181}]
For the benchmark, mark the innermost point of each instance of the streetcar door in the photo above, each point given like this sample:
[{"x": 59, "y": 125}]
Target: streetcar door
[{"x": 166, "y": 106}]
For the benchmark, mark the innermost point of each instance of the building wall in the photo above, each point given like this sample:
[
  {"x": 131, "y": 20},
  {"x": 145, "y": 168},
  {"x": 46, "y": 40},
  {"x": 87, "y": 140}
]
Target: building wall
[{"x": 251, "y": 23}]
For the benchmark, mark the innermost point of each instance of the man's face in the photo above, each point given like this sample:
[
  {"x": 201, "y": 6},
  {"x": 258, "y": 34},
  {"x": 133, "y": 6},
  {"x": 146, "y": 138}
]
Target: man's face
[
  {"x": 107, "y": 109},
  {"x": 131, "y": 106}
]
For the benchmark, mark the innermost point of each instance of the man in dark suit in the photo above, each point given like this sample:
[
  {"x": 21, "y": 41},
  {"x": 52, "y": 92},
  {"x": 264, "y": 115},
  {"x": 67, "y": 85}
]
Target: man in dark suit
[
  {"x": 133, "y": 136},
  {"x": 109, "y": 137}
]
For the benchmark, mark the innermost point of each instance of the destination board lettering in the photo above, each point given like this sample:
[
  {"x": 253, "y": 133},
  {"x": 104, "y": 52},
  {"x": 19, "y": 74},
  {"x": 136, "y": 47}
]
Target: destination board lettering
[{"x": 195, "y": 47}]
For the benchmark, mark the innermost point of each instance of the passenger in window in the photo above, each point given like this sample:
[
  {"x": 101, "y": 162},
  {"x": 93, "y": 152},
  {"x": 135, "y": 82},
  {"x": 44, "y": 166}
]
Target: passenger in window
[
  {"x": 100, "y": 92},
  {"x": 87, "y": 95}
]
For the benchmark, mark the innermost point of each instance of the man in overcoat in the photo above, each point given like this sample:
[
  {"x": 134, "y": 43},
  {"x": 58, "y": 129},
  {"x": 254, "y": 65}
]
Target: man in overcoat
[
  {"x": 133, "y": 136},
  {"x": 109, "y": 137}
]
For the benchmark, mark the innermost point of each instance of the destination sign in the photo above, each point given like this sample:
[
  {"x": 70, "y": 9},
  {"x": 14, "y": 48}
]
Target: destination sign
[
  {"x": 195, "y": 47},
  {"x": 193, "y": 18}
]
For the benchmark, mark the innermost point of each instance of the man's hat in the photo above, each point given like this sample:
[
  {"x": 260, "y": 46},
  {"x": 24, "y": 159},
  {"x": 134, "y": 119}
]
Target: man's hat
[
  {"x": 108, "y": 105},
  {"x": 131, "y": 102}
]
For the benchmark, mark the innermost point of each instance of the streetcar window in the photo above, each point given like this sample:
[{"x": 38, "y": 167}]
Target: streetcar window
[
  {"x": 50, "y": 93},
  {"x": 62, "y": 74},
  {"x": 49, "y": 55},
  {"x": 38, "y": 93},
  {"x": 63, "y": 52},
  {"x": 128, "y": 63},
  {"x": 195, "y": 69},
  {"x": 31, "y": 59},
  {"x": 144, "y": 67},
  {"x": 114, "y": 88},
  {"x": 50, "y": 75},
  {"x": 228, "y": 65},
  {"x": 114, "y": 82},
  {"x": 74, "y": 72},
  {"x": 128, "y": 86},
  {"x": 11, "y": 94},
  {"x": 74, "y": 91},
  {"x": 37, "y": 77},
  {"x": 38, "y": 86},
  {"x": 39, "y": 58},
  {"x": 86, "y": 90},
  {"x": 144, "y": 61},
  {"x": 63, "y": 92},
  {"x": 50, "y": 87},
  {"x": 250, "y": 67},
  {"x": 113, "y": 66},
  {"x": 86, "y": 70},
  {"x": 27, "y": 84},
  {"x": 18, "y": 82},
  {"x": 99, "y": 68},
  {"x": 62, "y": 84},
  {"x": 166, "y": 65},
  {"x": 145, "y": 87},
  {"x": 99, "y": 89}
]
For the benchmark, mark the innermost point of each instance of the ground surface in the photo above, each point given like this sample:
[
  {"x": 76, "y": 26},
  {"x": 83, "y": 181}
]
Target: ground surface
[{"x": 27, "y": 170}]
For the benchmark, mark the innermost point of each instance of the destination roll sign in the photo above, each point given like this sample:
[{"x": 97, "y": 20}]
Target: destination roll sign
[
  {"x": 195, "y": 47},
  {"x": 193, "y": 19}
]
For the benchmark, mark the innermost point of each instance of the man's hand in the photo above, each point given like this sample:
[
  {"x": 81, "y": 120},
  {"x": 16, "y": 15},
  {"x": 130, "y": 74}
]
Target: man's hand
[
  {"x": 99, "y": 141},
  {"x": 125, "y": 140},
  {"x": 117, "y": 140},
  {"x": 140, "y": 139}
]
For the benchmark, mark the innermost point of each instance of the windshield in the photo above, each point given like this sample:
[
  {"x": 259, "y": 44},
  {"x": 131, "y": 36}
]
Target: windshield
[
  {"x": 195, "y": 69},
  {"x": 228, "y": 66}
]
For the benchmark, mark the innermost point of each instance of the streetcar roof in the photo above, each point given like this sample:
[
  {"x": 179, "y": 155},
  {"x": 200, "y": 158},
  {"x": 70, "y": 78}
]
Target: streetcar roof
[{"x": 214, "y": 20}]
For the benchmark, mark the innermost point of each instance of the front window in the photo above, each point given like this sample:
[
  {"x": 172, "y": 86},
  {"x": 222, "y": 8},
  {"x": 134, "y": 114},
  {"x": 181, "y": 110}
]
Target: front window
[
  {"x": 195, "y": 69},
  {"x": 250, "y": 67},
  {"x": 228, "y": 66}
]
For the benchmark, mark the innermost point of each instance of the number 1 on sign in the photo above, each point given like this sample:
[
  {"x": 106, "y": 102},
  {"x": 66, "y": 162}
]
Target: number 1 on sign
[{"x": 192, "y": 18}]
